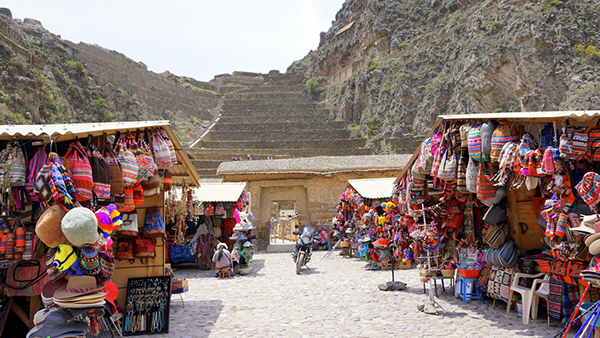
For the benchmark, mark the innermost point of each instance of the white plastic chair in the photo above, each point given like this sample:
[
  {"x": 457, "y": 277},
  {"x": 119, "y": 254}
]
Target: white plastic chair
[
  {"x": 542, "y": 292},
  {"x": 526, "y": 293}
]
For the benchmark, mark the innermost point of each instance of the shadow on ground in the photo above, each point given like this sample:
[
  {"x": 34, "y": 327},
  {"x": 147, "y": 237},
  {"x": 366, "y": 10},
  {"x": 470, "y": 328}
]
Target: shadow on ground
[{"x": 180, "y": 320}]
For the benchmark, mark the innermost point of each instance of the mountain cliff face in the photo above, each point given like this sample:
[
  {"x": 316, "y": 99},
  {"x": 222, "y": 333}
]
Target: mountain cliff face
[
  {"x": 390, "y": 67},
  {"x": 44, "y": 79}
]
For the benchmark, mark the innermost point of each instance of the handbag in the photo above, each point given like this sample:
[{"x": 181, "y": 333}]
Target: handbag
[
  {"x": 154, "y": 225},
  {"x": 485, "y": 185},
  {"x": 448, "y": 166},
  {"x": 471, "y": 176},
  {"x": 116, "y": 173},
  {"x": 161, "y": 151},
  {"x": 573, "y": 142},
  {"x": 129, "y": 227},
  {"x": 143, "y": 172},
  {"x": 36, "y": 164},
  {"x": 101, "y": 173},
  {"x": 25, "y": 278},
  {"x": 496, "y": 214},
  {"x": 494, "y": 236},
  {"x": 19, "y": 170},
  {"x": 128, "y": 163}
]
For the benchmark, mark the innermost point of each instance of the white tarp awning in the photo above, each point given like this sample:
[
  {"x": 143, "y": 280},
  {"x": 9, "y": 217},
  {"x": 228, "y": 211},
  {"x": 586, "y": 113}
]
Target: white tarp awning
[
  {"x": 374, "y": 187},
  {"x": 219, "y": 192}
]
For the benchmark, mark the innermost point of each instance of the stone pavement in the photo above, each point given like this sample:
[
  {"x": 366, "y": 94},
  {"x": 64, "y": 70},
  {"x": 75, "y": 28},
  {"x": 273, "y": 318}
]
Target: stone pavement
[{"x": 337, "y": 297}]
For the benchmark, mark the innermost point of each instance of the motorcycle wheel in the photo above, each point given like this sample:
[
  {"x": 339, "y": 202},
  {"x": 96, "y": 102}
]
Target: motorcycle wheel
[{"x": 299, "y": 262}]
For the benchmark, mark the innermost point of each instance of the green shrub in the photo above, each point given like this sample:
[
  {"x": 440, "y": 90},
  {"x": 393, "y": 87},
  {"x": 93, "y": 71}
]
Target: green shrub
[
  {"x": 588, "y": 51},
  {"x": 101, "y": 110},
  {"x": 373, "y": 65},
  {"x": 374, "y": 126},
  {"x": 312, "y": 86},
  {"x": 551, "y": 3},
  {"x": 402, "y": 45},
  {"x": 76, "y": 67}
]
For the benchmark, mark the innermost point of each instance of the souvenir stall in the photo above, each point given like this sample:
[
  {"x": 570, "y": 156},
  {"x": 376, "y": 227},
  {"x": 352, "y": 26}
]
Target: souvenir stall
[
  {"x": 214, "y": 213},
  {"x": 81, "y": 214},
  {"x": 510, "y": 200},
  {"x": 366, "y": 214}
]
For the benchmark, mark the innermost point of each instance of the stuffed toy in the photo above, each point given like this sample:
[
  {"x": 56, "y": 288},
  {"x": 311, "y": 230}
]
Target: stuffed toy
[{"x": 65, "y": 259}]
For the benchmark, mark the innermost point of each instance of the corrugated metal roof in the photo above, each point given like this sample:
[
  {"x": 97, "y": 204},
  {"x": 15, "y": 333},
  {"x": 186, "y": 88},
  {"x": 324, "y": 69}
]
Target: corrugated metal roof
[
  {"x": 542, "y": 116},
  {"x": 65, "y": 132},
  {"x": 374, "y": 187},
  {"x": 319, "y": 165},
  {"x": 220, "y": 192},
  {"x": 576, "y": 116}
]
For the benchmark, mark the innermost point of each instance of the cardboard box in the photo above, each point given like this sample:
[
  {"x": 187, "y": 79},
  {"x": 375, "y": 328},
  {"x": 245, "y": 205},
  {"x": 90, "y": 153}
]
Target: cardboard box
[
  {"x": 404, "y": 265},
  {"x": 179, "y": 285}
]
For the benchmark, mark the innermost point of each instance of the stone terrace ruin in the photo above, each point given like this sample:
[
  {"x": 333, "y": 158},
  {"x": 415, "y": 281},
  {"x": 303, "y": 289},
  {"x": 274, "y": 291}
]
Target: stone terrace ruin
[{"x": 270, "y": 115}]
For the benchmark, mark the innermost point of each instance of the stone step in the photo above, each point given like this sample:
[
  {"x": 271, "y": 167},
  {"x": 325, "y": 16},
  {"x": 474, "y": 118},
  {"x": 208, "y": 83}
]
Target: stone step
[
  {"x": 227, "y": 154},
  {"x": 268, "y": 95},
  {"x": 283, "y": 126},
  {"x": 231, "y": 104},
  {"x": 289, "y": 144},
  {"x": 261, "y": 114},
  {"x": 283, "y": 118},
  {"x": 275, "y": 89},
  {"x": 275, "y": 134}
]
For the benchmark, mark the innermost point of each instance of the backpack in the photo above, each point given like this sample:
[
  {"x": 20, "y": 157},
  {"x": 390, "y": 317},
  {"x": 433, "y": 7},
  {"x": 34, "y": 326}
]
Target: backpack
[
  {"x": 129, "y": 227},
  {"x": 154, "y": 225},
  {"x": 487, "y": 130},
  {"x": 144, "y": 248},
  {"x": 81, "y": 171},
  {"x": 573, "y": 142},
  {"x": 125, "y": 250}
]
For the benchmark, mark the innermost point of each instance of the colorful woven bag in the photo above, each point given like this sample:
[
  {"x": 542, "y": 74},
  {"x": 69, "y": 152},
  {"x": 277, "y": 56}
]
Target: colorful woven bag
[
  {"x": 500, "y": 137},
  {"x": 485, "y": 185},
  {"x": 36, "y": 164},
  {"x": 128, "y": 162},
  {"x": 593, "y": 147},
  {"x": 474, "y": 143},
  {"x": 81, "y": 171},
  {"x": 142, "y": 162},
  {"x": 19, "y": 170},
  {"x": 151, "y": 165},
  {"x": 101, "y": 172},
  {"x": 170, "y": 146},
  {"x": 161, "y": 151},
  {"x": 116, "y": 173},
  {"x": 573, "y": 142}
]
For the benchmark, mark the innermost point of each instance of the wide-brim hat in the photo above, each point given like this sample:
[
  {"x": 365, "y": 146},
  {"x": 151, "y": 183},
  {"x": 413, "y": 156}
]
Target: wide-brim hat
[
  {"x": 238, "y": 227},
  {"x": 58, "y": 323},
  {"x": 381, "y": 243},
  {"x": 81, "y": 305},
  {"x": 49, "y": 289},
  {"x": 584, "y": 229},
  {"x": 78, "y": 286},
  {"x": 80, "y": 226},
  {"x": 221, "y": 245},
  {"x": 48, "y": 227},
  {"x": 591, "y": 238},
  {"x": 248, "y": 227},
  {"x": 595, "y": 247}
]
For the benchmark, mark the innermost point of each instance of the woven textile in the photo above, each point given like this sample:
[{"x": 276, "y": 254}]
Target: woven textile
[
  {"x": 570, "y": 299},
  {"x": 499, "y": 282},
  {"x": 500, "y": 137},
  {"x": 555, "y": 299},
  {"x": 474, "y": 142}
]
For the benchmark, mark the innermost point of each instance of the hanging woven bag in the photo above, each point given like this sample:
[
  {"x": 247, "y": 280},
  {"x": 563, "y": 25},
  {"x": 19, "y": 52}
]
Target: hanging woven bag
[
  {"x": 81, "y": 171},
  {"x": 128, "y": 162}
]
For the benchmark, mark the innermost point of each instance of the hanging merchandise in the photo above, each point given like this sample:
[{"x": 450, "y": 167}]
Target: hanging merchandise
[
  {"x": 593, "y": 145},
  {"x": 474, "y": 142},
  {"x": 143, "y": 167},
  {"x": 61, "y": 184},
  {"x": 501, "y": 136},
  {"x": 101, "y": 172},
  {"x": 116, "y": 172},
  {"x": 154, "y": 225},
  {"x": 81, "y": 171},
  {"x": 128, "y": 163},
  {"x": 573, "y": 142},
  {"x": 19, "y": 169}
]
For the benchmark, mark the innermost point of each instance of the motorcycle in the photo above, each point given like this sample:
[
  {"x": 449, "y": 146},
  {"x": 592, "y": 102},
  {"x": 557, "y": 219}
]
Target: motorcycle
[{"x": 304, "y": 244}]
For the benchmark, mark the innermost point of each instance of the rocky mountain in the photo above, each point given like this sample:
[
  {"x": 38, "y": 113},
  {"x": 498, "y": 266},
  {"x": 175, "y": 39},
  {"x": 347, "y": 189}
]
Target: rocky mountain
[
  {"x": 389, "y": 67},
  {"x": 45, "y": 79}
]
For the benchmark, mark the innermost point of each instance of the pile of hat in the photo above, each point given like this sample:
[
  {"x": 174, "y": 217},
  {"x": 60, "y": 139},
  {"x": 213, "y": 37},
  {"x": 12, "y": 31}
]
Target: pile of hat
[
  {"x": 80, "y": 266},
  {"x": 243, "y": 249}
]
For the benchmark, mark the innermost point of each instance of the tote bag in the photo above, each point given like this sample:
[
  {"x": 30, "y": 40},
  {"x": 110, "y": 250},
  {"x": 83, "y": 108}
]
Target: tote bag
[
  {"x": 128, "y": 163},
  {"x": 81, "y": 171}
]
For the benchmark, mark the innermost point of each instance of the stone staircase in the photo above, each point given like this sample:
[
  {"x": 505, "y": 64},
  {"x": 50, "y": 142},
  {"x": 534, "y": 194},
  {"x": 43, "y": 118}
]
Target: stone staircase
[{"x": 270, "y": 115}]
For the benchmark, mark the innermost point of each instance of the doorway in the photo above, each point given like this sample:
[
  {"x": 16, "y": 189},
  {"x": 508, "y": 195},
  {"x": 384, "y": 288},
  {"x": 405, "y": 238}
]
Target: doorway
[{"x": 284, "y": 219}]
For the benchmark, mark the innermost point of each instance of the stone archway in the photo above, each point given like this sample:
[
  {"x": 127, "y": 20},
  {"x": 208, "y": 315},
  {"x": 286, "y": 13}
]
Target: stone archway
[{"x": 268, "y": 195}]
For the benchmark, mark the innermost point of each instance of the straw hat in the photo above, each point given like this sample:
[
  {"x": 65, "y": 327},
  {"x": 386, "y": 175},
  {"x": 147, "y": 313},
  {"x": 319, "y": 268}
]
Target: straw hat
[{"x": 595, "y": 247}]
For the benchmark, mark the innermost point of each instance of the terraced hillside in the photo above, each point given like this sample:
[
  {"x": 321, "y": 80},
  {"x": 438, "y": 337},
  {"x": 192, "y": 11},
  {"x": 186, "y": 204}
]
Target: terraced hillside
[{"x": 270, "y": 115}]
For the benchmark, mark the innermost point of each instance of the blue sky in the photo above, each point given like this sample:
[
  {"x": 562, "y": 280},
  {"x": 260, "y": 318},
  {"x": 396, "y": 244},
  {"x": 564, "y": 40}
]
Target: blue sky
[{"x": 198, "y": 39}]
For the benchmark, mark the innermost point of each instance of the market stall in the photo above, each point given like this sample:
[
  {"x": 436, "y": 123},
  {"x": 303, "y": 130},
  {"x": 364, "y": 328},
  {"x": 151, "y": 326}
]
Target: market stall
[
  {"x": 81, "y": 214},
  {"x": 504, "y": 196},
  {"x": 366, "y": 214},
  {"x": 216, "y": 213}
]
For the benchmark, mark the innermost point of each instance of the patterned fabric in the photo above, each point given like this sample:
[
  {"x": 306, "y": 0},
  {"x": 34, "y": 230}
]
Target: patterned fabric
[
  {"x": 593, "y": 145},
  {"x": 573, "y": 142},
  {"x": 569, "y": 272},
  {"x": 547, "y": 136},
  {"x": 128, "y": 163},
  {"x": 499, "y": 282},
  {"x": 101, "y": 172},
  {"x": 570, "y": 299},
  {"x": 474, "y": 142},
  {"x": 19, "y": 172},
  {"x": 35, "y": 165},
  {"x": 81, "y": 171},
  {"x": 484, "y": 278},
  {"x": 500, "y": 137},
  {"x": 61, "y": 184},
  {"x": 555, "y": 299},
  {"x": 485, "y": 186}
]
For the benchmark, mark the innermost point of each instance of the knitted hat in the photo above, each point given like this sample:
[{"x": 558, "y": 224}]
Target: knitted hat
[
  {"x": 80, "y": 226},
  {"x": 589, "y": 189},
  {"x": 48, "y": 228},
  {"x": 107, "y": 265},
  {"x": 88, "y": 260}
]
